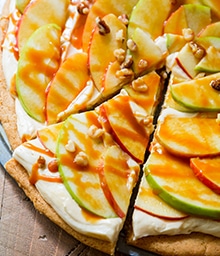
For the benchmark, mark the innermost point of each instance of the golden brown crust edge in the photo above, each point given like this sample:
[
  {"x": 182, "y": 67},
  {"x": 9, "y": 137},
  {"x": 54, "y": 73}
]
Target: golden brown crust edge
[
  {"x": 19, "y": 174},
  {"x": 194, "y": 244}
]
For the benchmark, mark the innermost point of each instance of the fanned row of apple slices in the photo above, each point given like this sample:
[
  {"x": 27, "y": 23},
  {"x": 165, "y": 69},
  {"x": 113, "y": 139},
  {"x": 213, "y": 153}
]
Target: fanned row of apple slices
[{"x": 97, "y": 150}]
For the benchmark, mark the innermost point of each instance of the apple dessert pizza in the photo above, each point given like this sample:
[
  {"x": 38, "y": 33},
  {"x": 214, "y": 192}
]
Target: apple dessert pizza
[{"x": 99, "y": 97}]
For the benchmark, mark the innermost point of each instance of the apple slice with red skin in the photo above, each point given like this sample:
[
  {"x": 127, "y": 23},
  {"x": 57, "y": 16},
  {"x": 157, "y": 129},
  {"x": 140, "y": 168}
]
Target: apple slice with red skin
[
  {"x": 48, "y": 136},
  {"x": 207, "y": 171},
  {"x": 173, "y": 181},
  {"x": 39, "y": 13},
  {"x": 69, "y": 80},
  {"x": 101, "y": 8},
  {"x": 119, "y": 119},
  {"x": 39, "y": 61},
  {"x": 189, "y": 136},
  {"x": 97, "y": 61},
  {"x": 148, "y": 201}
]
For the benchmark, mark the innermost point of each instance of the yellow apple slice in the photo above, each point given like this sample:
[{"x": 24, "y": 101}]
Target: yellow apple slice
[
  {"x": 69, "y": 80},
  {"x": 38, "y": 62},
  {"x": 39, "y": 13},
  {"x": 202, "y": 96},
  {"x": 99, "y": 62},
  {"x": 212, "y": 29},
  {"x": 79, "y": 154},
  {"x": 189, "y": 136},
  {"x": 207, "y": 171},
  {"x": 173, "y": 181}
]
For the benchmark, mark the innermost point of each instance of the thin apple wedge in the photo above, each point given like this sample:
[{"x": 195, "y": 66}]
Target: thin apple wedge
[
  {"x": 48, "y": 136},
  {"x": 148, "y": 201},
  {"x": 202, "y": 97},
  {"x": 125, "y": 120},
  {"x": 79, "y": 153},
  {"x": 39, "y": 13},
  {"x": 174, "y": 42},
  {"x": 207, "y": 171},
  {"x": 68, "y": 82},
  {"x": 208, "y": 41},
  {"x": 189, "y": 136},
  {"x": 38, "y": 62},
  {"x": 173, "y": 181},
  {"x": 212, "y": 29},
  {"x": 119, "y": 168},
  {"x": 110, "y": 33},
  {"x": 21, "y": 5}
]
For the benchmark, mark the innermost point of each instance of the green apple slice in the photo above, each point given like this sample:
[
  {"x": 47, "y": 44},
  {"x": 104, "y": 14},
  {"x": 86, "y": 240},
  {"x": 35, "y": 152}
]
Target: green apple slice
[
  {"x": 207, "y": 171},
  {"x": 174, "y": 42},
  {"x": 145, "y": 16},
  {"x": 48, "y": 136},
  {"x": 79, "y": 157},
  {"x": 173, "y": 180},
  {"x": 39, "y": 13},
  {"x": 202, "y": 96},
  {"x": 99, "y": 62},
  {"x": 38, "y": 62},
  {"x": 189, "y": 136},
  {"x": 68, "y": 82},
  {"x": 208, "y": 41},
  {"x": 147, "y": 51},
  {"x": 149, "y": 202},
  {"x": 210, "y": 62}
]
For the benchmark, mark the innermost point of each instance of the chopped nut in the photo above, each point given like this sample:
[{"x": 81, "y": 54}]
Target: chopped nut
[
  {"x": 131, "y": 45},
  {"x": 103, "y": 27},
  {"x": 41, "y": 162},
  {"x": 70, "y": 146},
  {"x": 120, "y": 36},
  {"x": 119, "y": 55},
  {"x": 124, "y": 73},
  {"x": 83, "y": 8},
  {"x": 139, "y": 85},
  {"x": 53, "y": 166},
  {"x": 188, "y": 34},
  {"x": 128, "y": 62},
  {"x": 124, "y": 19},
  {"x": 199, "y": 53},
  {"x": 215, "y": 84},
  {"x": 143, "y": 63},
  {"x": 95, "y": 132},
  {"x": 81, "y": 159}
]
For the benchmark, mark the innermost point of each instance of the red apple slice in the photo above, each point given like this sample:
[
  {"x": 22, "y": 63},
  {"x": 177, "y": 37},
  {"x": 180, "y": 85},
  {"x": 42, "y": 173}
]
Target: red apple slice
[
  {"x": 99, "y": 62},
  {"x": 129, "y": 132},
  {"x": 102, "y": 8},
  {"x": 69, "y": 80},
  {"x": 207, "y": 171},
  {"x": 148, "y": 201},
  {"x": 38, "y": 62},
  {"x": 39, "y": 13},
  {"x": 189, "y": 136}
]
